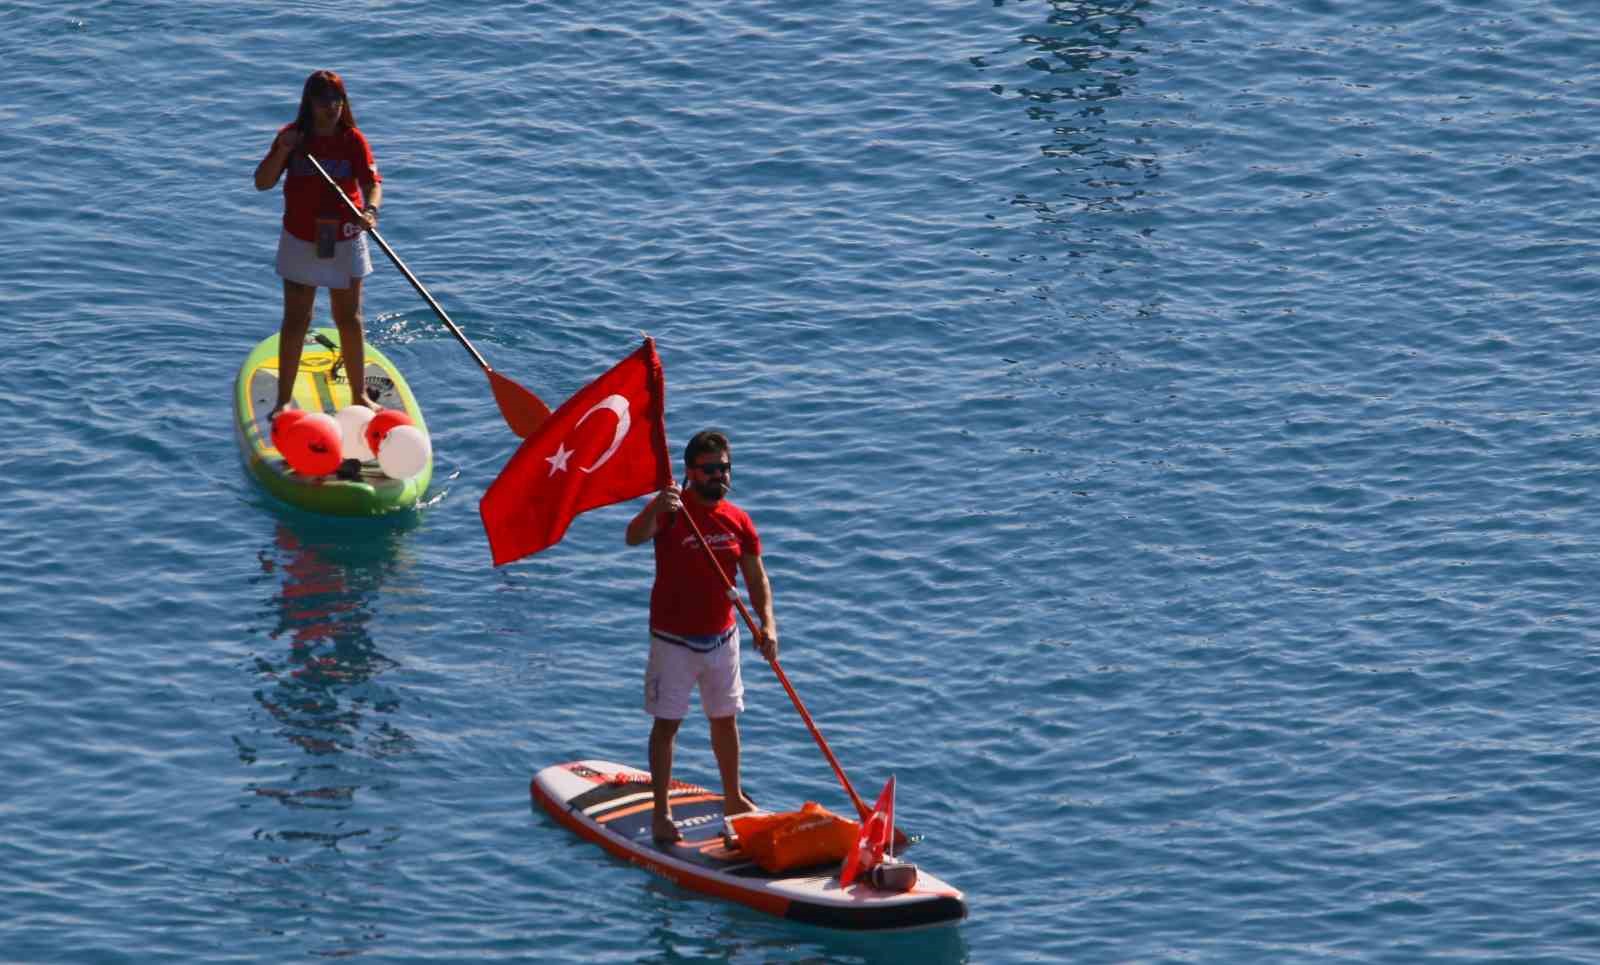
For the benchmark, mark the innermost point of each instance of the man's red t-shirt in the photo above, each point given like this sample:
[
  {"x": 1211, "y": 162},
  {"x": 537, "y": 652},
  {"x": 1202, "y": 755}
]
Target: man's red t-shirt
[
  {"x": 689, "y": 598},
  {"x": 347, "y": 157}
]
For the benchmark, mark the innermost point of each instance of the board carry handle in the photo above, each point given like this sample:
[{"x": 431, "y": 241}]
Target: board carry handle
[
  {"x": 900, "y": 838},
  {"x": 523, "y": 411}
]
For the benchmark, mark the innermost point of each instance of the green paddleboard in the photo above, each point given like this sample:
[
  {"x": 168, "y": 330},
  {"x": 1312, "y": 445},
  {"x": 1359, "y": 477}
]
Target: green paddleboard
[{"x": 322, "y": 386}]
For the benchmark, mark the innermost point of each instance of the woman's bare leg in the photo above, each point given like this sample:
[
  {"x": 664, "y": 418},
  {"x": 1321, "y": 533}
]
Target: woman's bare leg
[
  {"x": 298, "y": 303},
  {"x": 352, "y": 340}
]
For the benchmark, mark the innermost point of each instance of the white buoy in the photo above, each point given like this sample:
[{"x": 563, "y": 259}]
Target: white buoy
[
  {"x": 404, "y": 452},
  {"x": 353, "y": 421}
]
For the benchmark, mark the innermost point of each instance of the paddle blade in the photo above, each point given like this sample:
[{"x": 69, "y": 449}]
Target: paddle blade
[
  {"x": 873, "y": 838},
  {"x": 523, "y": 411}
]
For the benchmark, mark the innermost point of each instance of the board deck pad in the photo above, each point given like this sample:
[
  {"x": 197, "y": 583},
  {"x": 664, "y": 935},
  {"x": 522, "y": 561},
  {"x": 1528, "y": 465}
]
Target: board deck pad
[
  {"x": 322, "y": 385},
  {"x": 611, "y": 805}
]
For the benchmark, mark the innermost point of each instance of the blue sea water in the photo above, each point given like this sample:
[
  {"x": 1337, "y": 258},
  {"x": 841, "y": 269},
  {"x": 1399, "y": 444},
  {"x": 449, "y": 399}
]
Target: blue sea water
[{"x": 1170, "y": 427}]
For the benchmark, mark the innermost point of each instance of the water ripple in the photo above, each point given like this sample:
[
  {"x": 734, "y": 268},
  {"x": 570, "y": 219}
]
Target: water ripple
[{"x": 1168, "y": 428}]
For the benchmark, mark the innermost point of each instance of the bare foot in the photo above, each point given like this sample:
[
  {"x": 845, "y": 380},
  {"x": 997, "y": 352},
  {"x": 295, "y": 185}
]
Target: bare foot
[
  {"x": 742, "y": 806},
  {"x": 664, "y": 831},
  {"x": 277, "y": 410}
]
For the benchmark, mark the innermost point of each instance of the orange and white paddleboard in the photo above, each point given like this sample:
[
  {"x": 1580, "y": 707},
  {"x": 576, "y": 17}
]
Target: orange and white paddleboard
[{"x": 611, "y": 805}]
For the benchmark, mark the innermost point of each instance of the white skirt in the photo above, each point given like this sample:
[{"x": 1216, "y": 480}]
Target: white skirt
[{"x": 298, "y": 261}]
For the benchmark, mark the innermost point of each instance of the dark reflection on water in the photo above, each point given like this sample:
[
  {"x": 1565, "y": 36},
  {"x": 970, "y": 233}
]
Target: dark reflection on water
[
  {"x": 321, "y": 825},
  {"x": 320, "y": 684},
  {"x": 690, "y": 927},
  {"x": 1067, "y": 75}
]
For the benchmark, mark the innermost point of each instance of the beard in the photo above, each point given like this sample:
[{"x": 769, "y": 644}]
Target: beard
[{"x": 712, "y": 490}]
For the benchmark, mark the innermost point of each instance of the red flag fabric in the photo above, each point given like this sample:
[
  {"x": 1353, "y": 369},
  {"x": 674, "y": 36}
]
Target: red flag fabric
[
  {"x": 873, "y": 838},
  {"x": 608, "y": 443}
]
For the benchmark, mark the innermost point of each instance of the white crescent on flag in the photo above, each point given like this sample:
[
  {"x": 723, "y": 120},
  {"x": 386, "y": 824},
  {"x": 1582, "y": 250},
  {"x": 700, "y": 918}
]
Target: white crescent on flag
[{"x": 619, "y": 407}]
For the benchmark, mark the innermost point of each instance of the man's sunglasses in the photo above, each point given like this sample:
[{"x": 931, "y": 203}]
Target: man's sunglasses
[{"x": 714, "y": 468}]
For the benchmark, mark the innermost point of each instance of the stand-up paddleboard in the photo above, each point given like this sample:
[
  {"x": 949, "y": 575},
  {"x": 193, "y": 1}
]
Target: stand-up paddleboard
[
  {"x": 322, "y": 386},
  {"x": 612, "y": 806}
]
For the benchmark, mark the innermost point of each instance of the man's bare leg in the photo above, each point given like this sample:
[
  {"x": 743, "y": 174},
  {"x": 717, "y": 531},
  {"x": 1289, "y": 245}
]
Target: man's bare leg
[
  {"x": 725, "y": 745},
  {"x": 662, "y": 735}
]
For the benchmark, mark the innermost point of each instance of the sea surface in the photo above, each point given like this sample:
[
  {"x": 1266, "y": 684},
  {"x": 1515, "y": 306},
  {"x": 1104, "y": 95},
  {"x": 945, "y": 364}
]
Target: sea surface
[{"x": 1171, "y": 426}]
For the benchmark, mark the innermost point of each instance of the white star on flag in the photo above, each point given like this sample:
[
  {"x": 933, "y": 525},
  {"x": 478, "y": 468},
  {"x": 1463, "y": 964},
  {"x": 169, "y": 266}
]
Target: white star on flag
[
  {"x": 612, "y": 430},
  {"x": 558, "y": 462}
]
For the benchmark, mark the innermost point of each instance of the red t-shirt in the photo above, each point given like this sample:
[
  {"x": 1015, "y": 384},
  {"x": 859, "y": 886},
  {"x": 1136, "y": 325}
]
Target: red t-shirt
[
  {"x": 347, "y": 157},
  {"x": 689, "y": 598}
]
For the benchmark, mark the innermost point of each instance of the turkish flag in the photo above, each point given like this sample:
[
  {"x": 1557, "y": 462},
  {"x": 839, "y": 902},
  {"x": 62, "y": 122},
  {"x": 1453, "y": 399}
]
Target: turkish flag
[
  {"x": 873, "y": 838},
  {"x": 608, "y": 443}
]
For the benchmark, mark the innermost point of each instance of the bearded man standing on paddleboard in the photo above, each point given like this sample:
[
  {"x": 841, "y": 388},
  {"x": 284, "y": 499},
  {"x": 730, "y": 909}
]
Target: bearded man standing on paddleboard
[{"x": 694, "y": 639}]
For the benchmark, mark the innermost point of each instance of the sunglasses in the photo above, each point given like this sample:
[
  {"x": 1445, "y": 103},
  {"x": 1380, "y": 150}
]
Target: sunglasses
[{"x": 715, "y": 468}]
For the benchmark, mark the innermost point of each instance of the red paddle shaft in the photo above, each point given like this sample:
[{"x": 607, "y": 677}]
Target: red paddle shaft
[{"x": 738, "y": 601}]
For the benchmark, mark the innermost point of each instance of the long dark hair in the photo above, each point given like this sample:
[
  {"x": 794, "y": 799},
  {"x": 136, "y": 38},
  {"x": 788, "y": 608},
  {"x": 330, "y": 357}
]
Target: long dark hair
[{"x": 318, "y": 86}]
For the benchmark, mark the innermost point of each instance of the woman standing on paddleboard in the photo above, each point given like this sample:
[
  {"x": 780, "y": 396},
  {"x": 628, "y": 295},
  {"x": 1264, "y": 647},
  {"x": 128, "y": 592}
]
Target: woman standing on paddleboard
[{"x": 322, "y": 245}]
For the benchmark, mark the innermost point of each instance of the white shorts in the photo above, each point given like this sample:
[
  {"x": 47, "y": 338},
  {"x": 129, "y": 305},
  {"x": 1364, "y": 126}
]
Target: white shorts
[
  {"x": 674, "y": 670},
  {"x": 298, "y": 261}
]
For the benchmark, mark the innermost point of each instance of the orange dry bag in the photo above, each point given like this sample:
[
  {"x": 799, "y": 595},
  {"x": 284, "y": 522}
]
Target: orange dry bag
[{"x": 812, "y": 835}]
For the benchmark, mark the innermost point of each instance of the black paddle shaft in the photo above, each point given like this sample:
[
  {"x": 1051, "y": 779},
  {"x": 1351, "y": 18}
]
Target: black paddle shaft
[{"x": 482, "y": 362}]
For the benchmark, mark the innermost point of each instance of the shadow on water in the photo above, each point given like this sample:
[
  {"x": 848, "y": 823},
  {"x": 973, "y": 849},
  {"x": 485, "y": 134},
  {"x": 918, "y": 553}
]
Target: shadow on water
[
  {"x": 325, "y": 718},
  {"x": 691, "y": 927},
  {"x": 1079, "y": 63},
  {"x": 1092, "y": 152}
]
